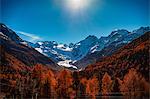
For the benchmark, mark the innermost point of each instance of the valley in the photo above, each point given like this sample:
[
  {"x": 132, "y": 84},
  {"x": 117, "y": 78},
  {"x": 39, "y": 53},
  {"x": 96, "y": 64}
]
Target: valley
[{"x": 27, "y": 72}]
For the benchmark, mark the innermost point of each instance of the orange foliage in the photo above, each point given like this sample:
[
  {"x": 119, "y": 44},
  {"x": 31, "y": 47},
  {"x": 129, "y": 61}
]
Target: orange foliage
[
  {"x": 38, "y": 69},
  {"x": 13, "y": 83},
  {"x": 92, "y": 86},
  {"x": 64, "y": 85},
  {"x": 48, "y": 77},
  {"x": 133, "y": 84},
  {"x": 106, "y": 84}
]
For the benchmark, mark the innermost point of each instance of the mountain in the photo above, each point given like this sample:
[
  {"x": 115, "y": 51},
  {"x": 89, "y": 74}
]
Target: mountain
[
  {"x": 83, "y": 47},
  {"x": 133, "y": 55},
  {"x": 65, "y": 54},
  {"x": 89, "y": 50},
  {"x": 125, "y": 71},
  {"x": 52, "y": 49},
  {"x": 112, "y": 43},
  {"x": 16, "y": 50},
  {"x": 8, "y": 34}
]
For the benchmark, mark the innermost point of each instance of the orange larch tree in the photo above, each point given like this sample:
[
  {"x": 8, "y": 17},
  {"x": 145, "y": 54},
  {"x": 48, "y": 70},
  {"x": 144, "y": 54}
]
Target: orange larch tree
[
  {"x": 92, "y": 87},
  {"x": 64, "y": 84},
  {"x": 106, "y": 84},
  {"x": 133, "y": 84}
]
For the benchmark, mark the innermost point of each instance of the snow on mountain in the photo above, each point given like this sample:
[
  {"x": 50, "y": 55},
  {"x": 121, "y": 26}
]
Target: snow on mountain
[
  {"x": 66, "y": 63},
  {"x": 94, "y": 48},
  {"x": 109, "y": 45},
  {"x": 24, "y": 43},
  {"x": 40, "y": 43},
  {"x": 83, "y": 47},
  {"x": 9, "y": 34},
  {"x": 141, "y": 30},
  {"x": 3, "y": 36},
  {"x": 40, "y": 50},
  {"x": 65, "y": 54},
  {"x": 64, "y": 47},
  {"x": 20, "y": 51}
]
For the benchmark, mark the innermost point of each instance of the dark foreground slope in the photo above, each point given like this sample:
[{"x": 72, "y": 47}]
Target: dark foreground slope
[
  {"x": 13, "y": 45},
  {"x": 20, "y": 66}
]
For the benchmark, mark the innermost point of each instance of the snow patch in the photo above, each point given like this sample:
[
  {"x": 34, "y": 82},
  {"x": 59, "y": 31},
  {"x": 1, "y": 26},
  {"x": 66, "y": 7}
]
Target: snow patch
[
  {"x": 40, "y": 43},
  {"x": 24, "y": 43},
  {"x": 60, "y": 46},
  {"x": 3, "y": 36},
  {"x": 64, "y": 48},
  {"x": 39, "y": 50},
  {"x": 94, "y": 48},
  {"x": 1, "y": 33},
  {"x": 66, "y": 63}
]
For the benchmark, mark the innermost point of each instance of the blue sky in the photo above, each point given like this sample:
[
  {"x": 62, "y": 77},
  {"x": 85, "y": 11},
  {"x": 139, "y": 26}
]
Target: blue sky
[{"x": 59, "y": 20}]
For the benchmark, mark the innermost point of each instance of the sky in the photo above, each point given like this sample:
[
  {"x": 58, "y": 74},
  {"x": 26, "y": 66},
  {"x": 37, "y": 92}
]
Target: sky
[{"x": 69, "y": 21}]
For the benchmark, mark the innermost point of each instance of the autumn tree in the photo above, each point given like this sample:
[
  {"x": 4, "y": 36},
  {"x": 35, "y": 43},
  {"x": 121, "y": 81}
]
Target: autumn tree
[
  {"x": 115, "y": 86},
  {"x": 76, "y": 83},
  {"x": 133, "y": 84},
  {"x": 91, "y": 87},
  {"x": 44, "y": 81},
  {"x": 64, "y": 84},
  {"x": 106, "y": 84},
  {"x": 37, "y": 70},
  {"x": 48, "y": 83},
  {"x": 82, "y": 87}
]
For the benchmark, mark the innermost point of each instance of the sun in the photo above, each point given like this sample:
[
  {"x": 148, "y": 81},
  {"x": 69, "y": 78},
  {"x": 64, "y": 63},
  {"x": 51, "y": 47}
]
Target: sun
[{"x": 76, "y": 5}]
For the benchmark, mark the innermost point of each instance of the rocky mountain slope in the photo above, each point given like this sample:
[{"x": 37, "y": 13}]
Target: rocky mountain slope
[
  {"x": 133, "y": 55},
  {"x": 116, "y": 40},
  {"x": 89, "y": 50},
  {"x": 12, "y": 45}
]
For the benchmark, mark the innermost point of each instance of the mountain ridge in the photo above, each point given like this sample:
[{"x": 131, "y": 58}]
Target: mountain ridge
[
  {"x": 83, "y": 53},
  {"x": 76, "y": 54},
  {"x": 132, "y": 55},
  {"x": 12, "y": 45}
]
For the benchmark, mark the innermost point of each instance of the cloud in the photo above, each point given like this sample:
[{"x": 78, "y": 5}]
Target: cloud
[{"x": 30, "y": 37}]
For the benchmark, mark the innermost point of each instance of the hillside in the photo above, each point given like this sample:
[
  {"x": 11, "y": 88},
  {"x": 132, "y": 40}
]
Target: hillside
[
  {"x": 133, "y": 55},
  {"x": 116, "y": 40},
  {"x": 14, "y": 46}
]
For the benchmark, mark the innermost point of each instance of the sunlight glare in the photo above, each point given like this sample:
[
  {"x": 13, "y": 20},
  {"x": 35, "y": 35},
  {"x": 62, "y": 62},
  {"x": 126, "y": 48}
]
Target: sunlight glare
[{"x": 76, "y": 5}]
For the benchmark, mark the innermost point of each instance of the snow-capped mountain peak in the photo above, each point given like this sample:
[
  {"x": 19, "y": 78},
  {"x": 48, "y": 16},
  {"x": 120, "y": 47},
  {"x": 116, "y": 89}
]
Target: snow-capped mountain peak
[
  {"x": 119, "y": 32},
  {"x": 141, "y": 30},
  {"x": 40, "y": 43},
  {"x": 65, "y": 54}
]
